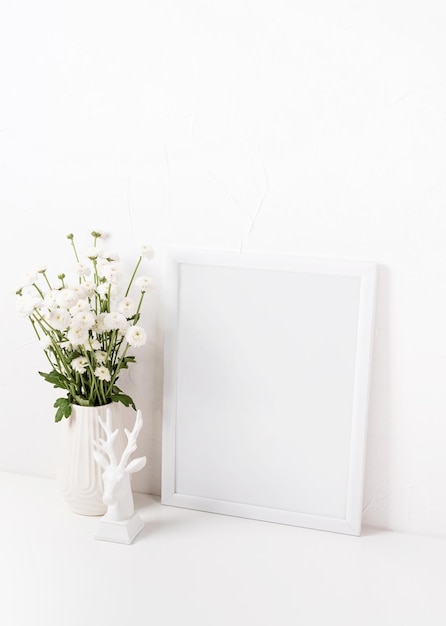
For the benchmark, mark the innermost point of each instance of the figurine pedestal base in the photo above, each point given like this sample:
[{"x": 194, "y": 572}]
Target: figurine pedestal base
[{"x": 120, "y": 532}]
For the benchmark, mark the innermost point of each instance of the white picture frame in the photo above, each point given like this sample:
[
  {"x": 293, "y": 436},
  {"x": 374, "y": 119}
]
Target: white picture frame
[{"x": 267, "y": 365}]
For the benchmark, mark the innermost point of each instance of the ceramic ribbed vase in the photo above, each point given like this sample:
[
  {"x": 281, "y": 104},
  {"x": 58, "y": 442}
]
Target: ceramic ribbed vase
[{"x": 78, "y": 475}]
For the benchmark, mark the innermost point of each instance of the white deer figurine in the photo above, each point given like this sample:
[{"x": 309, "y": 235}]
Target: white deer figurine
[{"x": 120, "y": 523}]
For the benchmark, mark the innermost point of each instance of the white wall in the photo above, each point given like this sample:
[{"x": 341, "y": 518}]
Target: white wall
[{"x": 314, "y": 128}]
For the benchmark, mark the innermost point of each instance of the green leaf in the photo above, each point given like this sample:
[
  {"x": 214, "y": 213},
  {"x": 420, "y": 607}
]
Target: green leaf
[
  {"x": 124, "y": 399},
  {"x": 63, "y": 406},
  {"x": 56, "y": 379},
  {"x": 125, "y": 361}
]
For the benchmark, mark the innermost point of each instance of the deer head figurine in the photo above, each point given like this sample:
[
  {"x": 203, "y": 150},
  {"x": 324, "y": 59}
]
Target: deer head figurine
[{"x": 118, "y": 494}]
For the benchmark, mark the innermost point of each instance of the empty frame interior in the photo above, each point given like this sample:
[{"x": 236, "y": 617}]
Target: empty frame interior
[{"x": 267, "y": 363}]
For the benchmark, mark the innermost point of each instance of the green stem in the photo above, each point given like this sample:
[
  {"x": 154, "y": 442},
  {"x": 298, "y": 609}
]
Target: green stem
[
  {"x": 137, "y": 314},
  {"x": 34, "y": 326},
  {"x": 39, "y": 291},
  {"x": 55, "y": 337},
  {"x": 117, "y": 369},
  {"x": 46, "y": 280},
  {"x": 71, "y": 238},
  {"x": 133, "y": 276}
]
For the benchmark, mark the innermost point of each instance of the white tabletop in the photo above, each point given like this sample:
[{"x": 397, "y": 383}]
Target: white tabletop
[{"x": 194, "y": 568}]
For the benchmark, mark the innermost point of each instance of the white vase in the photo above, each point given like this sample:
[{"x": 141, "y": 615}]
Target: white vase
[{"x": 78, "y": 475}]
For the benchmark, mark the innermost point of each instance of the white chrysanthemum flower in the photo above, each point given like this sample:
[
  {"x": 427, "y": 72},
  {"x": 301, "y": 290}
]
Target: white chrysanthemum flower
[
  {"x": 122, "y": 331},
  {"x": 83, "y": 270},
  {"x": 94, "y": 344},
  {"x": 100, "y": 356},
  {"x": 147, "y": 252},
  {"x": 77, "y": 335},
  {"x": 126, "y": 307},
  {"x": 26, "y": 305},
  {"x": 80, "y": 291},
  {"x": 99, "y": 325},
  {"x": 102, "y": 373},
  {"x": 144, "y": 283},
  {"x": 30, "y": 278},
  {"x": 66, "y": 298},
  {"x": 94, "y": 253},
  {"x": 115, "y": 320},
  {"x": 60, "y": 319},
  {"x": 81, "y": 305},
  {"x": 44, "y": 312},
  {"x": 103, "y": 289},
  {"x": 136, "y": 336},
  {"x": 50, "y": 299},
  {"x": 79, "y": 364},
  {"x": 109, "y": 271},
  {"x": 89, "y": 287},
  {"x": 84, "y": 319}
]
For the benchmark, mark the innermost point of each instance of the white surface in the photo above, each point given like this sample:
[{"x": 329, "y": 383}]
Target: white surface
[
  {"x": 311, "y": 128},
  {"x": 197, "y": 569},
  {"x": 267, "y": 368}
]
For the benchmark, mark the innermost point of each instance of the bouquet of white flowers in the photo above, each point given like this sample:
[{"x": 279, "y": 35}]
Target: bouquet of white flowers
[{"x": 86, "y": 327}]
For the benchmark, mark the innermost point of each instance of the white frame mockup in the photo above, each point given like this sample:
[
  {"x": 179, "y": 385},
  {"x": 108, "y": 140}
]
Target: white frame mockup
[{"x": 267, "y": 366}]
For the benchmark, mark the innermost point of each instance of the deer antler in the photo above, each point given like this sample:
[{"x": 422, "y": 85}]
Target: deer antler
[
  {"x": 131, "y": 440},
  {"x": 106, "y": 446}
]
